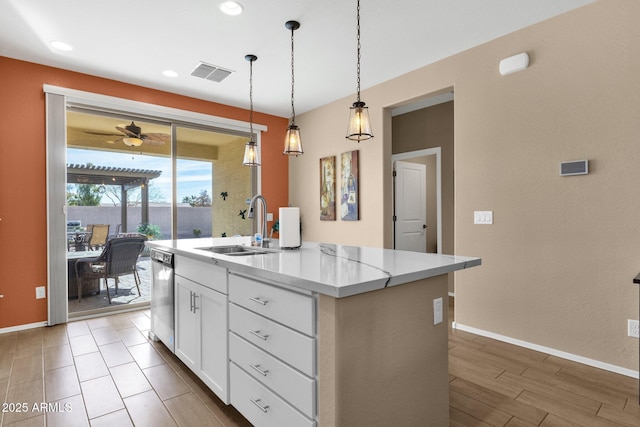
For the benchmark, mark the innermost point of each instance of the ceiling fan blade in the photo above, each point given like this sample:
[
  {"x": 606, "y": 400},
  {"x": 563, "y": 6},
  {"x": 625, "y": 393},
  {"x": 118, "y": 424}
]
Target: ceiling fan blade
[
  {"x": 125, "y": 131},
  {"x": 155, "y": 138},
  {"x": 102, "y": 133}
]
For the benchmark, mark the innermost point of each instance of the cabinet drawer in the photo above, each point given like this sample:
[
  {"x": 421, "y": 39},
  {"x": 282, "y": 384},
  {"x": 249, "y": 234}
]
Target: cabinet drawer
[
  {"x": 260, "y": 406},
  {"x": 206, "y": 274},
  {"x": 294, "y": 387},
  {"x": 294, "y": 348},
  {"x": 284, "y": 306}
]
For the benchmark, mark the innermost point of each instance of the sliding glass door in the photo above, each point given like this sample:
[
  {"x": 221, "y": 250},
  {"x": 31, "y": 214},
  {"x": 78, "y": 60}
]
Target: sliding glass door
[
  {"x": 137, "y": 168},
  {"x": 212, "y": 185}
]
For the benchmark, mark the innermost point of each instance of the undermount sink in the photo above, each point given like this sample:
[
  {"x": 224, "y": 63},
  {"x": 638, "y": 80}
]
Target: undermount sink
[{"x": 234, "y": 250}]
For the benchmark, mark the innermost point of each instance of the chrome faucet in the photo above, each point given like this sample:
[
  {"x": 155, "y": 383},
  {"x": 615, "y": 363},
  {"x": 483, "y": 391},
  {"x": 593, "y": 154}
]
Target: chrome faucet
[{"x": 265, "y": 239}]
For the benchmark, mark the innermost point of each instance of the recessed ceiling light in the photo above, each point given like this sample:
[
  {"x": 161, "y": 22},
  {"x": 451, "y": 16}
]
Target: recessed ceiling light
[
  {"x": 170, "y": 73},
  {"x": 231, "y": 8},
  {"x": 61, "y": 45}
]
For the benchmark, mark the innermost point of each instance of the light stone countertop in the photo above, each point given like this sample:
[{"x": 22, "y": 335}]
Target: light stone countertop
[{"x": 326, "y": 268}]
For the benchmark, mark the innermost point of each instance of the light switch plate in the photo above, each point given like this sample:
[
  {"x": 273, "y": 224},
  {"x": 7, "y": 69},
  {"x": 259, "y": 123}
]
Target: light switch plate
[
  {"x": 40, "y": 292},
  {"x": 483, "y": 217}
]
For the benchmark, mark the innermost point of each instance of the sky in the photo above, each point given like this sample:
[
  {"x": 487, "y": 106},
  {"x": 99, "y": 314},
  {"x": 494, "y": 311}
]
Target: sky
[{"x": 193, "y": 176}]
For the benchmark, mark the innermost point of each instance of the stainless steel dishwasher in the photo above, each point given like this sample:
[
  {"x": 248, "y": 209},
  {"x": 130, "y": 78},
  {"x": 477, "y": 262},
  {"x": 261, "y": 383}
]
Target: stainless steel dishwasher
[{"x": 162, "y": 310}]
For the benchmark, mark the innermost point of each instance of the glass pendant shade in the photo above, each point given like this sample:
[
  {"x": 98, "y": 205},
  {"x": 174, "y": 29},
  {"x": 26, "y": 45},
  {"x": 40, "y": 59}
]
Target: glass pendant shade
[
  {"x": 132, "y": 142},
  {"x": 359, "y": 128},
  {"x": 292, "y": 141},
  {"x": 251, "y": 154}
]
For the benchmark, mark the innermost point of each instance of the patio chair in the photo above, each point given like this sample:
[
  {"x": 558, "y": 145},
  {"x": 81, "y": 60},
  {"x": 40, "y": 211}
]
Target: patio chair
[
  {"x": 118, "y": 227},
  {"x": 99, "y": 236},
  {"x": 118, "y": 258}
]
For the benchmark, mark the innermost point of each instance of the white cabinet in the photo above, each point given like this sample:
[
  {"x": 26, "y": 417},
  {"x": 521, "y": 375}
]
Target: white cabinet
[
  {"x": 273, "y": 353},
  {"x": 201, "y": 323},
  {"x": 187, "y": 327}
]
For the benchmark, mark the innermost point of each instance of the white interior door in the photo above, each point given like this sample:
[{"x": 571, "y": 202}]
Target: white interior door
[{"x": 410, "y": 206}]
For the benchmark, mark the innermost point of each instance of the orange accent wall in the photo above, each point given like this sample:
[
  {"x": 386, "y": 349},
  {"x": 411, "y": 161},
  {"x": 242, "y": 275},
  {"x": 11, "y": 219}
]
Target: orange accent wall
[{"x": 23, "y": 214}]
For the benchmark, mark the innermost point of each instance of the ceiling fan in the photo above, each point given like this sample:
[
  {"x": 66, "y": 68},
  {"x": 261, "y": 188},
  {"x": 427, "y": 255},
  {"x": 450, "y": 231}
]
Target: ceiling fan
[{"x": 132, "y": 136}]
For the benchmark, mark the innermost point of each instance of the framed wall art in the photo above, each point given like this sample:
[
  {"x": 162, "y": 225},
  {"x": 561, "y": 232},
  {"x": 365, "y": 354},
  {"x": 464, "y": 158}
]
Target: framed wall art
[
  {"x": 328, "y": 188},
  {"x": 349, "y": 184}
]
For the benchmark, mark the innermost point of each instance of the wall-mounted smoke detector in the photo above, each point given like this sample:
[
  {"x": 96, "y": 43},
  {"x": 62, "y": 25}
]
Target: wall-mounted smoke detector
[{"x": 211, "y": 72}]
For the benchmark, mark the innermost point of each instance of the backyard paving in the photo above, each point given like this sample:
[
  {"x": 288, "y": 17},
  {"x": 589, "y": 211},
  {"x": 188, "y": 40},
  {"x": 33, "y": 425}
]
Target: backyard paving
[{"x": 127, "y": 291}]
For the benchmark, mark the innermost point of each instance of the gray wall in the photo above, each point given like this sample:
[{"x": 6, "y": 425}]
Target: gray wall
[{"x": 188, "y": 218}]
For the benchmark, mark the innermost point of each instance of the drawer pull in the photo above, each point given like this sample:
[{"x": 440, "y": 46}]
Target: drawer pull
[
  {"x": 257, "y": 368},
  {"x": 262, "y": 407},
  {"x": 259, "y": 335},
  {"x": 258, "y": 300}
]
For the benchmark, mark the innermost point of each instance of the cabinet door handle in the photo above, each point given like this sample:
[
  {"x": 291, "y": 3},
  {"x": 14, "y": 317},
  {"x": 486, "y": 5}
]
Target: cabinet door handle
[
  {"x": 260, "y": 371},
  {"x": 195, "y": 307},
  {"x": 259, "y": 335},
  {"x": 258, "y": 300},
  {"x": 262, "y": 407},
  {"x": 191, "y": 301}
]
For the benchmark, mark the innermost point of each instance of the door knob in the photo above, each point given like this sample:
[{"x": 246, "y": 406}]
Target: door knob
[{"x": 424, "y": 225}]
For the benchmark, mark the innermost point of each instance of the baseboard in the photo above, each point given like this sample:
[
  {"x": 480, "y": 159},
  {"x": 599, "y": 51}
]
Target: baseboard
[
  {"x": 22, "y": 327},
  {"x": 107, "y": 311},
  {"x": 551, "y": 351}
]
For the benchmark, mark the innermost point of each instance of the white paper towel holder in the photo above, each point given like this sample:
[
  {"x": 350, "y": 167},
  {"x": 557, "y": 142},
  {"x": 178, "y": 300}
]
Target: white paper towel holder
[{"x": 290, "y": 232}]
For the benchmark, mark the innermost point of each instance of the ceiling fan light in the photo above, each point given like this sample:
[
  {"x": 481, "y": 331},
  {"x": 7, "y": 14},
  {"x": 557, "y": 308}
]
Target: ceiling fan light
[
  {"x": 359, "y": 128},
  {"x": 251, "y": 154},
  {"x": 293, "y": 142},
  {"x": 132, "y": 142}
]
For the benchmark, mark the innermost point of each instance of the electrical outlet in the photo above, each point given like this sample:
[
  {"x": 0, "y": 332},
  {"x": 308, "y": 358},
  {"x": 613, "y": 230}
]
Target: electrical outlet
[
  {"x": 437, "y": 311},
  {"x": 633, "y": 328},
  {"x": 40, "y": 292}
]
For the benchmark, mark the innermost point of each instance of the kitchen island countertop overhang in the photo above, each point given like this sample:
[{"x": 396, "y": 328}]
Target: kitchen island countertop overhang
[{"x": 330, "y": 269}]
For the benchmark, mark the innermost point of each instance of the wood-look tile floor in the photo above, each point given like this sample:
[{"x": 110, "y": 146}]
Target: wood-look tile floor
[
  {"x": 105, "y": 372},
  {"x": 492, "y": 383}
]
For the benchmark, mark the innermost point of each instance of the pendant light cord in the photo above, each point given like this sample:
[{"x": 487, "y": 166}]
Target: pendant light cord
[
  {"x": 358, "y": 38},
  {"x": 251, "y": 100},
  {"x": 293, "y": 109}
]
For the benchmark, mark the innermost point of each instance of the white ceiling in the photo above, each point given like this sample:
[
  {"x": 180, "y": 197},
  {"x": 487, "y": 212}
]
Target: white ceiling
[{"x": 134, "y": 41}]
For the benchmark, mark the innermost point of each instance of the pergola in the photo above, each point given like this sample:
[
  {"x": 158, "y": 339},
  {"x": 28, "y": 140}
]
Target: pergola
[{"x": 126, "y": 178}]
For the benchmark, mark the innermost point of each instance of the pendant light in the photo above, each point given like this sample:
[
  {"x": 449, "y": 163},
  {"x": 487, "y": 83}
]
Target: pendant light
[
  {"x": 251, "y": 154},
  {"x": 292, "y": 141},
  {"x": 359, "y": 128}
]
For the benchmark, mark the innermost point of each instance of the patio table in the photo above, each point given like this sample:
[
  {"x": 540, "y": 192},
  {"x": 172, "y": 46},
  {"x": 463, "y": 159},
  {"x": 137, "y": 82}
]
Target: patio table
[{"x": 90, "y": 287}]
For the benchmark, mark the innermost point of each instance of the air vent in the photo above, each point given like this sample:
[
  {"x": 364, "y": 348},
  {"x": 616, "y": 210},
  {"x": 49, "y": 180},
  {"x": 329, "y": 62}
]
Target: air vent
[{"x": 211, "y": 72}]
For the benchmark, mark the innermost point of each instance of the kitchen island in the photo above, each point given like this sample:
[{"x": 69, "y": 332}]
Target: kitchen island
[{"x": 328, "y": 335}]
